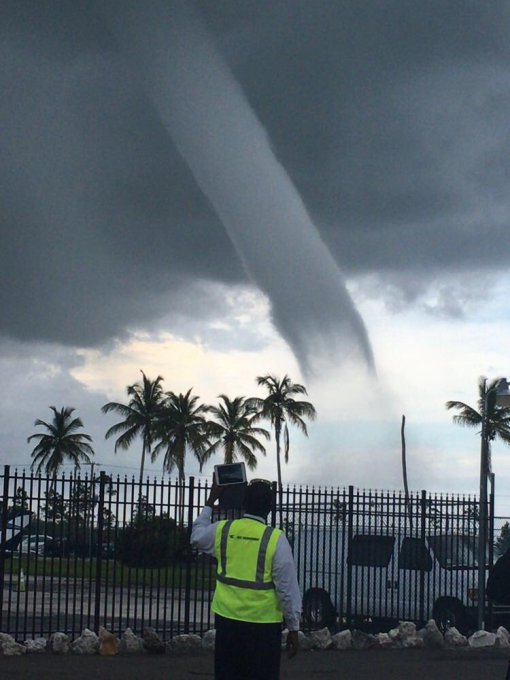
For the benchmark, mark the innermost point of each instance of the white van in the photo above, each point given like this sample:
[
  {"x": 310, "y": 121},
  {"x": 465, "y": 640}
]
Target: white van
[{"x": 385, "y": 577}]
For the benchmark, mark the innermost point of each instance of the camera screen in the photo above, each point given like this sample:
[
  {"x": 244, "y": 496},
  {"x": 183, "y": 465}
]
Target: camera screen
[{"x": 230, "y": 474}]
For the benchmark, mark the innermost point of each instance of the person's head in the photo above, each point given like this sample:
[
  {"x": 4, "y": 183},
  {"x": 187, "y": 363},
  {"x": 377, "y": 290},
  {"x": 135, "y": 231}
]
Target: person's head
[{"x": 258, "y": 498}]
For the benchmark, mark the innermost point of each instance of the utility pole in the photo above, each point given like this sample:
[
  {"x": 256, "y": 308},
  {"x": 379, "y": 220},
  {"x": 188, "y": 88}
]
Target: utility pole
[{"x": 404, "y": 472}]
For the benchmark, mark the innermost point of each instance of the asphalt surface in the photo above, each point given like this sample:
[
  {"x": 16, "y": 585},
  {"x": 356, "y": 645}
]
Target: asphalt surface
[{"x": 386, "y": 664}]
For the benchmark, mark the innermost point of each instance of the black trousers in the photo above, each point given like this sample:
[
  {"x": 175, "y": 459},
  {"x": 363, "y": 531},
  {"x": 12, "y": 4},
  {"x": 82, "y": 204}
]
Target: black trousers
[{"x": 247, "y": 651}]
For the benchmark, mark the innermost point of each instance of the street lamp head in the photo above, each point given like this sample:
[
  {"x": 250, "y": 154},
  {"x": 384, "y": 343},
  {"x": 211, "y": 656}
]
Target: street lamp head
[{"x": 503, "y": 393}]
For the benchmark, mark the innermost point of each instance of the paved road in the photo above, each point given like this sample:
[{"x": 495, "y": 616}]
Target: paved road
[{"x": 381, "y": 664}]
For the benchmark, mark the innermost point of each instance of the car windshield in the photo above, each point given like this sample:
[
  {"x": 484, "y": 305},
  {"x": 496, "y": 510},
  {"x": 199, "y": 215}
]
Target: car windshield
[{"x": 455, "y": 551}]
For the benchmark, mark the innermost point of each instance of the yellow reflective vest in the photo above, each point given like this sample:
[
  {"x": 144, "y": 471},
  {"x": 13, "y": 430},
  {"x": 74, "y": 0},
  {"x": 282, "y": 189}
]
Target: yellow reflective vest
[{"x": 245, "y": 590}]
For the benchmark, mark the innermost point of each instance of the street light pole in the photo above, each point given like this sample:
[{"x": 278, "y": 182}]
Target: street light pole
[
  {"x": 502, "y": 398},
  {"x": 482, "y": 514}
]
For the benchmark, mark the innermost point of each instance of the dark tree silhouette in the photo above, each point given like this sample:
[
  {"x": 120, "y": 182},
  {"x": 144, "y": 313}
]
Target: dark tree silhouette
[
  {"x": 181, "y": 427},
  {"x": 140, "y": 416},
  {"x": 281, "y": 408},
  {"x": 60, "y": 443},
  {"x": 232, "y": 430}
]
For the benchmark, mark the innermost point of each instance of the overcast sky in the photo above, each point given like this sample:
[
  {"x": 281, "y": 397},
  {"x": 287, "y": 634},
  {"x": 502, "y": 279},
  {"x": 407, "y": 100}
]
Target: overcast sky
[{"x": 217, "y": 191}]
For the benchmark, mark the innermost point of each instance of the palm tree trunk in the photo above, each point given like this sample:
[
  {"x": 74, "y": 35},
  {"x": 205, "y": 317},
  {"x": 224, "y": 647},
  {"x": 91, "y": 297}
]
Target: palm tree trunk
[
  {"x": 229, "y": 453},
  {"x": 277, "y": 431},
  {"x": 182, "y": 479},
  {"x": 142, "y": 464}
]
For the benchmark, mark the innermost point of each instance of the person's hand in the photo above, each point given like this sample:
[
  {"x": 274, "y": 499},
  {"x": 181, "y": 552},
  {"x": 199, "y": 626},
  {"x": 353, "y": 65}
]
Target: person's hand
[
  {"x": 292, "y": 643},
  {"x": 214, "y": 494}
]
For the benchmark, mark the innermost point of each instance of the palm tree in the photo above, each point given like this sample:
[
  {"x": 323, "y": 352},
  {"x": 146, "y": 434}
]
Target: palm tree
[
  {"x": 140, "y": 416},
  {"x": 61, "y": 442},
  {"x": 181, "y": 427},
  {"x": 497, "y": 417},
  {"x": 494, "y": 422},
  {"x": 280, "y": 408},
  {"x": 233, "y": 431}
]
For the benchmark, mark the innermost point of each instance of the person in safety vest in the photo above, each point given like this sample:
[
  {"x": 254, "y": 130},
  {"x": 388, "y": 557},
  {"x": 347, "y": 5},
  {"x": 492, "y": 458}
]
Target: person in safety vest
[{"x": 256, "y": 587}]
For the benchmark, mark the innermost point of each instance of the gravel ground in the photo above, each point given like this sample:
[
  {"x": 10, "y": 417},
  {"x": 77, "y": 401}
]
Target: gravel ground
[{"x": 386, "y": 664}]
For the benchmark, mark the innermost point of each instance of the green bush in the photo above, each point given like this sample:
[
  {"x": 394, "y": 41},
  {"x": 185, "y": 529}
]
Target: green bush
[{"x": 152, "y": 542}]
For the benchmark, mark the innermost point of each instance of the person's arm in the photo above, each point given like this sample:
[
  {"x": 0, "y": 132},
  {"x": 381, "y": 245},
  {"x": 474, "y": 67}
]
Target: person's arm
[
  {"x": 203, "y": 532},
  {"x": 287, "y": 587}
]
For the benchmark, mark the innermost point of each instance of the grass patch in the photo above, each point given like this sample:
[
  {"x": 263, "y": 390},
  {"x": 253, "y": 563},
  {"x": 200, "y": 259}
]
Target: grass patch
[{"x": 198, "y": 575}]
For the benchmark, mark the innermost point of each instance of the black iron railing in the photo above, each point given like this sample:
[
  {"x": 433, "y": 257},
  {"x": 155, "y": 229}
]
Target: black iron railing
[{"x": 82, "y": 551}]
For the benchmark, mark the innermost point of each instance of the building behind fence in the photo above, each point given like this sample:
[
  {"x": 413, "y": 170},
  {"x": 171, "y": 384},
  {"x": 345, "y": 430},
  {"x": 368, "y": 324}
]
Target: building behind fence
[{"x": 103, "y": 551}]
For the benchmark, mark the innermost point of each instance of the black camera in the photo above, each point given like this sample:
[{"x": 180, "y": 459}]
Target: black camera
[{"x": 232, "y": 473}]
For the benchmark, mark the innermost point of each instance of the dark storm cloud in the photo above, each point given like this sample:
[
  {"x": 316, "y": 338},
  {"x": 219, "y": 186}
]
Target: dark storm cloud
[
  {"x": 390, "y": 118},
  {"x": 100, "y": 213}
]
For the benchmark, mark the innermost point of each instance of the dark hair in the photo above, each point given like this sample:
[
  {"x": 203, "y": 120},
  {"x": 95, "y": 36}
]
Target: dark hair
[{"x": 258, "y": 499}]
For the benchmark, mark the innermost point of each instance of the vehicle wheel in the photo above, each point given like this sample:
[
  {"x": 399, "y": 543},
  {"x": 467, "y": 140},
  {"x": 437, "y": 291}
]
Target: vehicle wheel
[
  {"x": 449, "y": 613},
  {"x": 318, "y": 610}
]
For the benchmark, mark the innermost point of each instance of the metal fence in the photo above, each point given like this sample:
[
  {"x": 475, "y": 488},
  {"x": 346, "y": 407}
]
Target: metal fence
[{"x": 102, "y": 551}]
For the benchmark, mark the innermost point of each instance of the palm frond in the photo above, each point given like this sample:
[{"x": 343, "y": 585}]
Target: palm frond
[
  {"x": 286, "y": 442},
  {"x": 497, "y": 418}
]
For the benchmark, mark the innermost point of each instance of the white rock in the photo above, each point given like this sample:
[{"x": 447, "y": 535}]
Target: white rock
[
  {"x": 184, "y": 644},
  {"x": 59, "y": 643},
  {"x": 87, "y": 643},
  {"x": 209, "y": 639},
  {"x": 36, "y": 646},
  {"x": 431, "y": 635},
  {"x": 503, "y": 637},
  {"x": 394, "y": 634},
  {"x": 453, "y": 638},
  {"x": 9, "y": 646},
  {"x": 342, "y": 640},
  {"x": 131, "y": 643},
  {"x": 384, "y": 640},
  {"x": 406, "y": 629},
  {"x": 482, "y": 638},
  {"x": 152, "y": 642},
  {"x": 413, "y": 642},
  {"x": 304, "y": 641},
  {"x": 407, "y": 635},
  {"x": 321, "y": 639},
  {"x": 362, "y": 640}
]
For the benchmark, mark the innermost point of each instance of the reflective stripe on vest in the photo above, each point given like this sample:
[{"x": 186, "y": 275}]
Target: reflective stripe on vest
[{"x": 259, "y": 583}]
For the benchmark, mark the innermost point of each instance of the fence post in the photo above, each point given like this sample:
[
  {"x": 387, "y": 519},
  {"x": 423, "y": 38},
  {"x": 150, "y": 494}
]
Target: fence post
[
  {"x": 274, "y": 490},
  {"x": 5, "y": 505},
  {"x": 350, "y": 513},
  {"x": 423, "y": 529},
  {"x": 490, "y": 614},
  {"x": 491, "y": 524},
  {"x": 187, "y": 592},
  {"x": 99, "y": 550}
]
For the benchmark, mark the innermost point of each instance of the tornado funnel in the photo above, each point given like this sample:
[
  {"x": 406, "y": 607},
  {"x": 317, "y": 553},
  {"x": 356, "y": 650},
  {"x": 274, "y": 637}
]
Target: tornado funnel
[{"x": 229, "y": 153}]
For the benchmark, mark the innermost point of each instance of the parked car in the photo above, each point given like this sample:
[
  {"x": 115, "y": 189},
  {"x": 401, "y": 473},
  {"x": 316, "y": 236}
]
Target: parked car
[
  {"x": 35, "y": 545},
  {"x": 385, "y": 577},
  {"x": 46, "y": 546}
]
